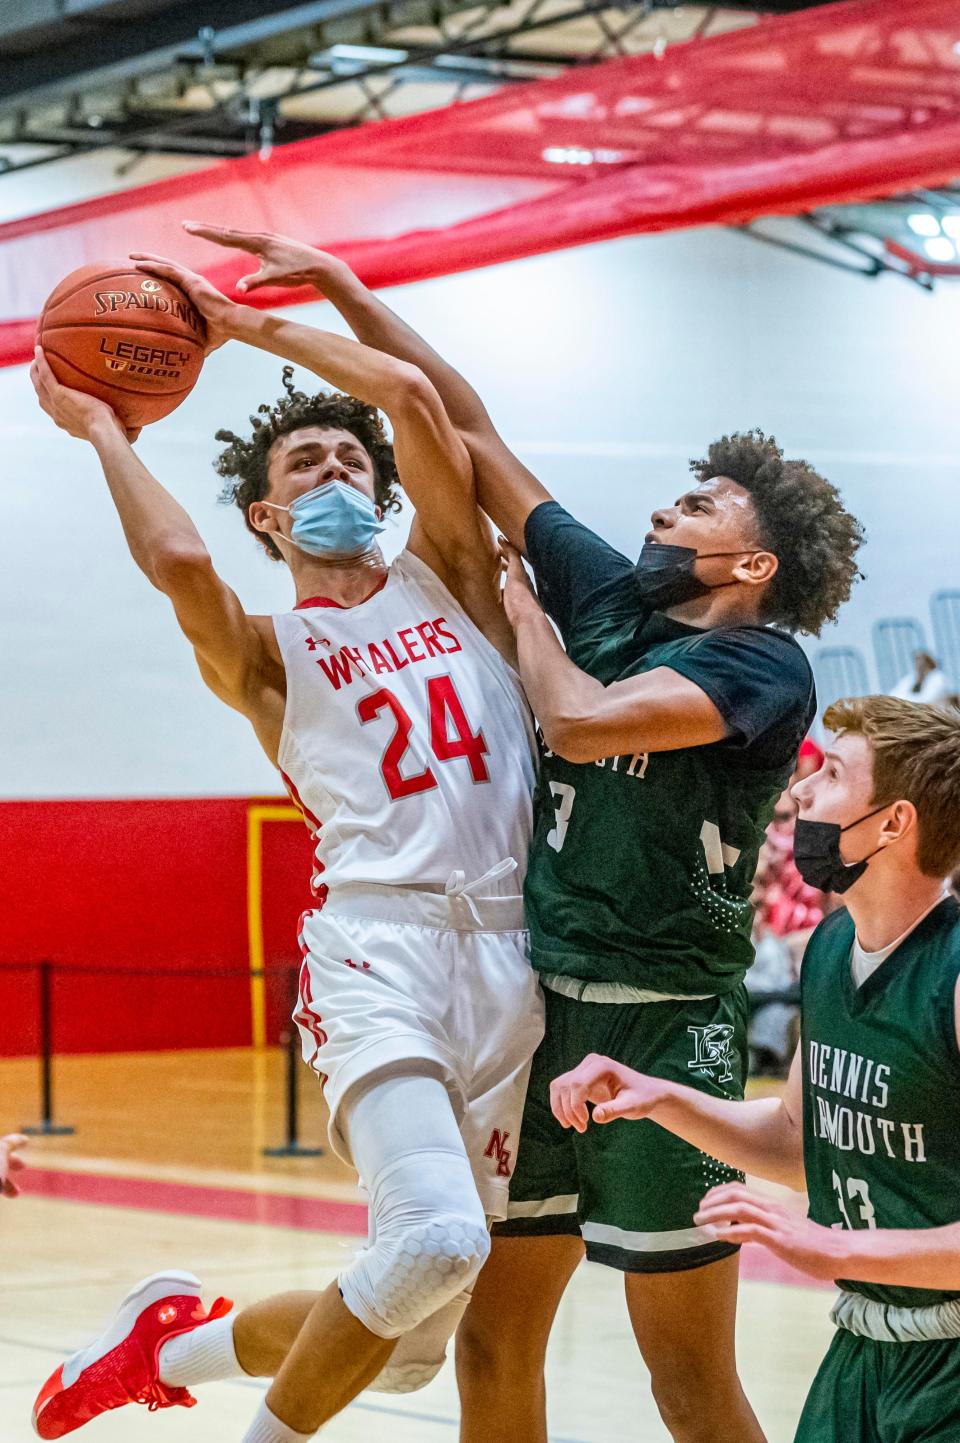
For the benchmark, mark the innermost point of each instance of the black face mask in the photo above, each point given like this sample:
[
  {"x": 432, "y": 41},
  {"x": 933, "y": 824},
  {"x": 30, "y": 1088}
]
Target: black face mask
[
  {"x": 816, "y": 851},
  {"x": 664, "y": 574}
]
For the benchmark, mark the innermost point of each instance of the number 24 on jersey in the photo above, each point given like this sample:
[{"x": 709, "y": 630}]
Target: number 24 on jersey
[{"x": 451, "y": 738}]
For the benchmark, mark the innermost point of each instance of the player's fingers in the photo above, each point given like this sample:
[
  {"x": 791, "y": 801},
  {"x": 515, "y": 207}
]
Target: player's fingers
[
  {"x": 150, "y": 259},
  {"x": 45, "y": 376},
  {"x": 14, "y": 1140},
  {"x": 577, "y": 1107},
  {"x": 727, "y": 1191},
  {"x": 574, "y": 1107},
  {"x": 558, "y": 1103},
  {"x": 730, "y": 1202},
  {"x": 252, "y": 282},
  {"x": 43, "y": 396},
  {"x": 742, "y": 1212},
  {"x": 625, "y": 1104},
  {"x": 166, "y": 270},
  {"x": 740, "y": 1233},
  {"x": 221, "y": 235}
]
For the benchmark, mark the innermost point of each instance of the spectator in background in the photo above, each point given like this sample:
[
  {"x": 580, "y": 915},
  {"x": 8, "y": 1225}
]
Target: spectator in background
[
  {"x": 784, "y": 903},
  {"x": 926, "y": 683},
  {"x": 10, "y": 1162},
  {"x": 787, "y": 910}
]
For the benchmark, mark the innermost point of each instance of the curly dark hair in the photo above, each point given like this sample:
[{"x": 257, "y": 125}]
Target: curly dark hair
[
  {"x": 245, "y": 462},
  {"x": 801, "y": 519}
]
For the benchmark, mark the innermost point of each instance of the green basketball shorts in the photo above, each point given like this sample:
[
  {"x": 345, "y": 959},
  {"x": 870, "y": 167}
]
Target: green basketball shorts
[
  {"x": 874, "y": 1392},
  {"x": 629, "y": 1188}
]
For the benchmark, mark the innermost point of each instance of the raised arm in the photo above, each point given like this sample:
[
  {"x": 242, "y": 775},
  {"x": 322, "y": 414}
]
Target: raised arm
[
  {"x": 763, "y": 1137},
  {"x": 506, "y": 489},
  {"x": 233, "y": 650},
  {"x": 448, "y": 533}
]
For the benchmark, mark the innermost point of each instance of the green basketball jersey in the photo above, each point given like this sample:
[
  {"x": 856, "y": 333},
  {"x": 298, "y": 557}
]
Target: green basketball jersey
[
  {"x": 881, "y": 1085},
  {"x": 641, "y": 867}
]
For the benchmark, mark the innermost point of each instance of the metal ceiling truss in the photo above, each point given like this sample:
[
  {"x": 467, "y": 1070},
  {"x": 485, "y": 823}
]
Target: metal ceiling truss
[
  {"x": 866, "y": 240},
  {"x": 220, "y": 78},
  {"x": 144, "y": 75}
]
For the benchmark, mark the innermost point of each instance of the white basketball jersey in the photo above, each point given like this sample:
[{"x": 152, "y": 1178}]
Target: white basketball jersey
[{"x": 407, "y": 741}]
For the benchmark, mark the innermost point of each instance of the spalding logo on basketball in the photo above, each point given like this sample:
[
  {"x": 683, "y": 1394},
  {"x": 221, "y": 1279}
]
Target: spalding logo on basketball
[{"x": 134, "y": 341}]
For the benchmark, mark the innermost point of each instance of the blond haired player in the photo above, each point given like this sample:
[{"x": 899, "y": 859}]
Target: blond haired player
[
  {"x": 387, "y": 700},
  {"x": 870, "y": 1120}
]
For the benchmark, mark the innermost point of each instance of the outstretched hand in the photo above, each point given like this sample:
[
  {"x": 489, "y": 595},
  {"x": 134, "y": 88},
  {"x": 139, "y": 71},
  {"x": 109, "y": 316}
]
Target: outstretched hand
[
  {"x": 219, "y": 313},
  {"x": 734, "y": 1214},
  {"x": 10, "y": 1162},
  {"x": 283, "y": 262},
  {"x": 614, "y": 1089}
]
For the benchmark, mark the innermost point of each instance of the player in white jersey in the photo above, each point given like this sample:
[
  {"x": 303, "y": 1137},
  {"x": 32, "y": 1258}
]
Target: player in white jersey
[{"x": 386, "y": 700}]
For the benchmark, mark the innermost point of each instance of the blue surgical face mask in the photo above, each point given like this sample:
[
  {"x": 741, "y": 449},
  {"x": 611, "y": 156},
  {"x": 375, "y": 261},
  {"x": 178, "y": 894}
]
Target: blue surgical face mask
[{"x": 334, "y": 519}]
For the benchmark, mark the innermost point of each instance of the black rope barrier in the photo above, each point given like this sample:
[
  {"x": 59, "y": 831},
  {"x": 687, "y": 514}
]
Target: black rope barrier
[
  {"x": 46, "y": 1127},
  {"x": 293, "y": 1147},
  {"x": 46, "y": 970}
]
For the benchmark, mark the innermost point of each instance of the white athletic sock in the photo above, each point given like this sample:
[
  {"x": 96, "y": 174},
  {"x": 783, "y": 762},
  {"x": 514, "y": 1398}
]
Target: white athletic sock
[
  {"x": 205, "y": 1355},
  {"x": 267, "y": 1428}
]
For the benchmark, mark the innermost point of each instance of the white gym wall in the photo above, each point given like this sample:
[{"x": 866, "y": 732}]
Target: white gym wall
[{"x": 605, "y": 367}]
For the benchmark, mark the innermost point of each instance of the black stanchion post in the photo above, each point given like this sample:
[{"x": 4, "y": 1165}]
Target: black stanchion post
[
  {"x": 46, "y": 1127},
  {"x": 293, "y": 1147}
]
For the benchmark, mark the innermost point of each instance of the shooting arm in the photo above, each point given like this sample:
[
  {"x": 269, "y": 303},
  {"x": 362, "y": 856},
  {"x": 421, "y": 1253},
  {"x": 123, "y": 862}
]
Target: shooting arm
[{"x": 168, "y": 549}]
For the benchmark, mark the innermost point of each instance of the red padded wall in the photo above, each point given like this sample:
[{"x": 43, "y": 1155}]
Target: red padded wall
[{"x": 153, "y": 884}]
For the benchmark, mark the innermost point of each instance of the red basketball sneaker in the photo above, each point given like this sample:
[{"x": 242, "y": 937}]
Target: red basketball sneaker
[{"x": 121, "y": 1366}]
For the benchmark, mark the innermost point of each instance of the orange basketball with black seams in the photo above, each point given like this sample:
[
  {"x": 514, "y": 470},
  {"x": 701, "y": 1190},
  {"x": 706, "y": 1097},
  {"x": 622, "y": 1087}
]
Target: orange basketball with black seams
[{"x": 130, "y": 339}]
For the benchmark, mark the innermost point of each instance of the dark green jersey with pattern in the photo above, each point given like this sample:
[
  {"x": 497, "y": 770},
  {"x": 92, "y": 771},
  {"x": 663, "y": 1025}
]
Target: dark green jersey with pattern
[
  {"x": 641, "y": 867},
  {"x": 881, "y": 1085}
]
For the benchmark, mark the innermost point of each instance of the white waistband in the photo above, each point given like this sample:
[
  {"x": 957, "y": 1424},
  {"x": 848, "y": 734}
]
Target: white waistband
[
  {"x": 886, "y": 1323},
  {"x": 448, "y": 912},
  {"x": 612, "y": 991}
]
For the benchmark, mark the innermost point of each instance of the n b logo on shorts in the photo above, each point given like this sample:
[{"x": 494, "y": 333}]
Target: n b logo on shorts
[
  {"x": 497, "y": 1147},
  {"x": 711, "y": 1051}
]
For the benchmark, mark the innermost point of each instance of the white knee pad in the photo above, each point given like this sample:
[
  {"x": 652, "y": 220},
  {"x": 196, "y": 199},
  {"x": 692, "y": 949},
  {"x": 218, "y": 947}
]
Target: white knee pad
[
  {"x": 420, "y": 1354},
  {"x": 412, "y": 1272},
  {"x": 429, "y": 1236}
]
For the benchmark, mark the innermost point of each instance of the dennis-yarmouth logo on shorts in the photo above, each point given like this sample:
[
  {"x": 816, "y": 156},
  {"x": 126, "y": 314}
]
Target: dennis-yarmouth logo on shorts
[{"x": 711, "y": 1051}]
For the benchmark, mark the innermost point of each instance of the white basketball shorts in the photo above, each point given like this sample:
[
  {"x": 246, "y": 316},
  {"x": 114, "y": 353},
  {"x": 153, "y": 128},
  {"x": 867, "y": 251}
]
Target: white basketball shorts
[{"x": 392, "y": 976}]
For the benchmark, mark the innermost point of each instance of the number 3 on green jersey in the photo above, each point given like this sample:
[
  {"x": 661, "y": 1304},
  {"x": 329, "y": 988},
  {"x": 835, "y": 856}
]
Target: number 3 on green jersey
[{"x": 564, "y": 796}]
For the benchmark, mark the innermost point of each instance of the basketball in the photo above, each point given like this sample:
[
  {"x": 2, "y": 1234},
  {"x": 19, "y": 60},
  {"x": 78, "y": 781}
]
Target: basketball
[{"x": 130, "y": 339}]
